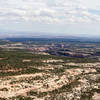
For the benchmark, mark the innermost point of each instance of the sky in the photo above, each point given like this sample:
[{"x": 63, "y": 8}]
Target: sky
[{"x": 49, "y": 18}]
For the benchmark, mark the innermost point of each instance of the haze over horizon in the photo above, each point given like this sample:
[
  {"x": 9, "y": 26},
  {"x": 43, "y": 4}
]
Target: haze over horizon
[{"x": 28, "y": 18}]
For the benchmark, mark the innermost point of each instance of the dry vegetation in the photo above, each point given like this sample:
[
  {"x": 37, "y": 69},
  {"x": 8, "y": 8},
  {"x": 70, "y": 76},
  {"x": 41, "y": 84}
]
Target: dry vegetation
[{"x": 27, "y": 76}]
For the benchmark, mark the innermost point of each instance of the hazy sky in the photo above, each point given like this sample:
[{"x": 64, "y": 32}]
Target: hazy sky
[{"x": 49, "y": 17}]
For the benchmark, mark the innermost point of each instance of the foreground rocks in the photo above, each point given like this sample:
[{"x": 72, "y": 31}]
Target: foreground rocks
[{"x": 58, "y": 82}]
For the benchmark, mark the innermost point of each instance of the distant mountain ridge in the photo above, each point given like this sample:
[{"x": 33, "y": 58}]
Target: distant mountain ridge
[{"x": 62, "y": 39}]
